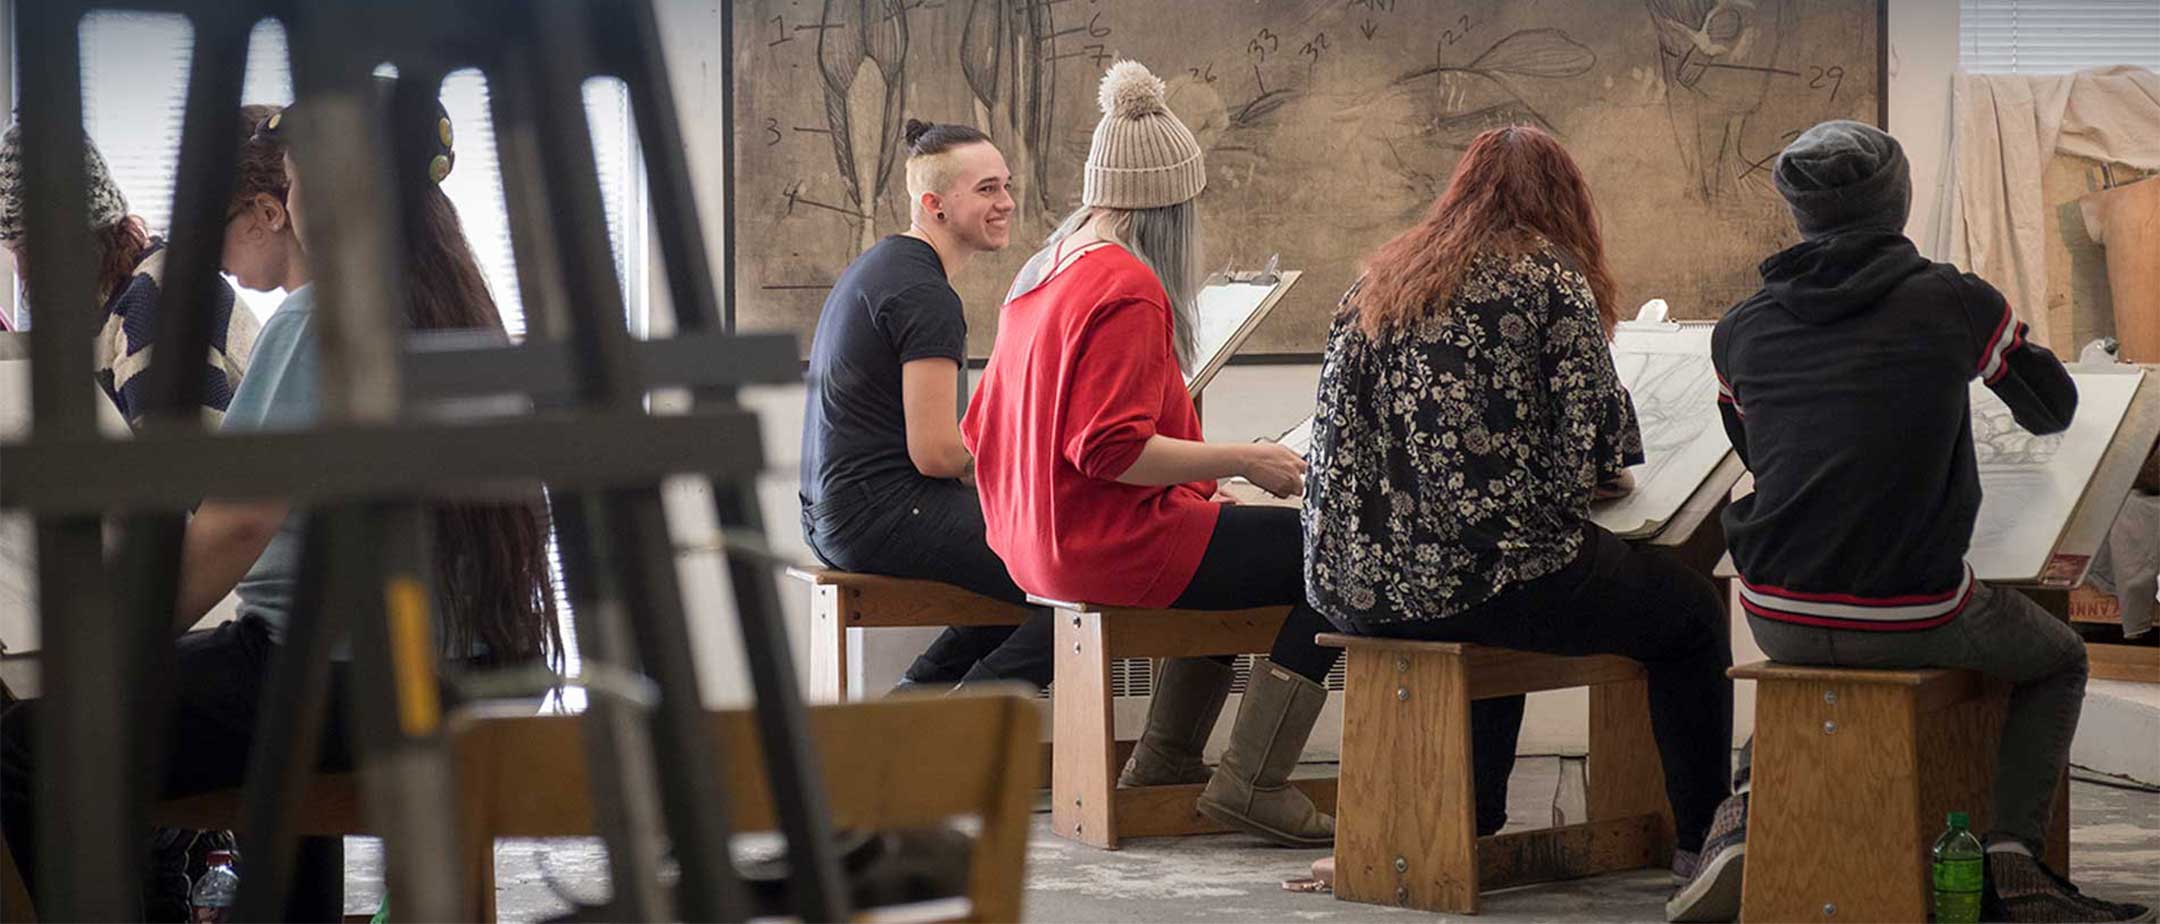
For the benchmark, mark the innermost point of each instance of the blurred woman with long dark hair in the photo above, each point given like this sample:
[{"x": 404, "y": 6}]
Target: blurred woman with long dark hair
[{"x": 494, "y": 593}]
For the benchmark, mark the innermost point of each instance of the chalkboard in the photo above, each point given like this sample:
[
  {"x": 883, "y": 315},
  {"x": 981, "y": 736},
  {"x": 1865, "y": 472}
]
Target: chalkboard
[{"x": 1329, "y": 126}]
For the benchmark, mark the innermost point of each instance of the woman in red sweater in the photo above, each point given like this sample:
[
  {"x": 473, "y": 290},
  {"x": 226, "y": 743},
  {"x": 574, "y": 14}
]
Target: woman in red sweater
[{"x": 1096, "y": 485}]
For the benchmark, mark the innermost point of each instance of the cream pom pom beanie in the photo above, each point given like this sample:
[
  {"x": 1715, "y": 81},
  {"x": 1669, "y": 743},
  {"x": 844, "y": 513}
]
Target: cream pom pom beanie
[{"x": 1142, "y": 156}]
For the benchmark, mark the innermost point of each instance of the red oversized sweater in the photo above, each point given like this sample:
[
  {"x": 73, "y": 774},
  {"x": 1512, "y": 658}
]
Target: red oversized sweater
[{"x": 1082, "y": 375}]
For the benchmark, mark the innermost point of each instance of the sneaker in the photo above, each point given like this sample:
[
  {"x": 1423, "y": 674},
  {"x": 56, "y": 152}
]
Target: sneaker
[
  {"x": 2021, "y": 889},
  {"x": 1708, "y": 883}
]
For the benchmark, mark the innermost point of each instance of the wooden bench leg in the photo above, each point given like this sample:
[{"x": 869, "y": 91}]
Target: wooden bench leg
[
  {"x": 828, "y": 645},
  {"x": 1083, "y": 777},
  {"x": 1626, "y": 775},
  {"x": 1834, "y": 822},
  {"x": 1406, "y": 813},
  {"x": 480, "y": 870}
]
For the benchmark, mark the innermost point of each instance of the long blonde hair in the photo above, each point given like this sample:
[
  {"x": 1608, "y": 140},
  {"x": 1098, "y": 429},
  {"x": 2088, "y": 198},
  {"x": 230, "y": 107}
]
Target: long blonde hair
[{"x": 1166, "y": 239}]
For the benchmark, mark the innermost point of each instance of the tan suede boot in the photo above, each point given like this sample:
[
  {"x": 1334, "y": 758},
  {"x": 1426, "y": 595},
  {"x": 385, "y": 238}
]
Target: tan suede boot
[
  {"x": 1189, "y": 695},
  {"x": 1251, "y": 789}
]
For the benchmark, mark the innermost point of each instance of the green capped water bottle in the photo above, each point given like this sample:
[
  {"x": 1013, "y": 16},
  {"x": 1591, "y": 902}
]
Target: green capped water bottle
[{"x": 1959, "y": 865}]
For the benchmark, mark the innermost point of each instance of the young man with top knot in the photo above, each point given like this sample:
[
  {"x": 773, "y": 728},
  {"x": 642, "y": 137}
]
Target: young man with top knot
[{"x": 884, "y": 474}]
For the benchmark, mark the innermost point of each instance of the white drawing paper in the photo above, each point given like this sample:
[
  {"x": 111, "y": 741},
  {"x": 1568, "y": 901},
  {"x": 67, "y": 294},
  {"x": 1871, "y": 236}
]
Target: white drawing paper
[
  {"x": 1667, "y": 371},
  {"x": 1224, "y": 309},
  {"x": 1299, "y": 438},
  {"x": 2031, "y": 484}
]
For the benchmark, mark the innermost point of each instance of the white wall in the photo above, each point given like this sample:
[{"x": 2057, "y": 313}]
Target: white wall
[{"x": 1923, "y": 59}]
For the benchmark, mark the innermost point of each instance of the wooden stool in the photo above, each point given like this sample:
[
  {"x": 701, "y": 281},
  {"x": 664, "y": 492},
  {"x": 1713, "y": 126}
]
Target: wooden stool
[
  {"x": 892, "y": 764},
  {"x": 1086, "y": 804},
  {"x": 840, "y": 601},
  {"x": 1854, "y": 773},
  {"x": 1406, "y": 828}
]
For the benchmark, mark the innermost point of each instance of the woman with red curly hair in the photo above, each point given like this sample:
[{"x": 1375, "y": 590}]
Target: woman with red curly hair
[{"x": 1469, "y": 413}]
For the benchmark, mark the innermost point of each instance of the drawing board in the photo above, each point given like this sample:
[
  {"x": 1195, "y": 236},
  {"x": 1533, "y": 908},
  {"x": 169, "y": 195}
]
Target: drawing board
[
  {"x": 2032, "y": 484},
  {"x": 1229, "y": 311},
  {"x": 1326, "y": 126},
  {"x": 1667, "y": 371}
]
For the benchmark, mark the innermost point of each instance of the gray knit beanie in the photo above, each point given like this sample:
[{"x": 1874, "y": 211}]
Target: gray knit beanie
[
  {"x": 1142, "y": 156},
  {"x": 107, "y": 205},
  {"x": 1844, "y": 175}
]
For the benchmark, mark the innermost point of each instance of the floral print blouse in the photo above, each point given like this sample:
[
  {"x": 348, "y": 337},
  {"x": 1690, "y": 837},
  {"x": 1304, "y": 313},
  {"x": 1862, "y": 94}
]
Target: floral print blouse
[{"x": 1455, "y": 458}]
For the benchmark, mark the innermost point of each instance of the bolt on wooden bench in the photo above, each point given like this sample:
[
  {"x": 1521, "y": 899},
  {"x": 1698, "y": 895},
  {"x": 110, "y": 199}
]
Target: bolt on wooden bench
[
  {"x": 1854, "y": 773},
  {"x": 1086, "y": 804},
  {"x": 1405, "y": 825},
  {"x": 841, "y": 600}
]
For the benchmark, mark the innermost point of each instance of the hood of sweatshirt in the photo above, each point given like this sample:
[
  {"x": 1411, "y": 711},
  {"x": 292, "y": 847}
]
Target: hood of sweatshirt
[{"x": 1835, "y": 277}]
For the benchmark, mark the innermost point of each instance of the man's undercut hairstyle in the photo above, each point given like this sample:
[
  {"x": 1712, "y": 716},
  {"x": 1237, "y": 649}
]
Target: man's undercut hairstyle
[{"x": 929, "y": 169}]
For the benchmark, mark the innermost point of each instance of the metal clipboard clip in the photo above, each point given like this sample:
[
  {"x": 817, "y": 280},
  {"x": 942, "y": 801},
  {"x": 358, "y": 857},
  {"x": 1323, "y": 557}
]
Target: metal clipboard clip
[{"x": 1266, "y": 275}]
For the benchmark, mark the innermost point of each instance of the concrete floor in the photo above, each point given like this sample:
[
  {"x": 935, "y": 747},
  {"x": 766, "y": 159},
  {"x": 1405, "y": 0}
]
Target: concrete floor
[{"x": 2115, "y": 853}]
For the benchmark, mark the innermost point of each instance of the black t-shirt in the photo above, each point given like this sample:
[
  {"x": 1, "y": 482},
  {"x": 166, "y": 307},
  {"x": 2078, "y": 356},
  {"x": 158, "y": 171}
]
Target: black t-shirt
[{"x": 892, "y": 306}]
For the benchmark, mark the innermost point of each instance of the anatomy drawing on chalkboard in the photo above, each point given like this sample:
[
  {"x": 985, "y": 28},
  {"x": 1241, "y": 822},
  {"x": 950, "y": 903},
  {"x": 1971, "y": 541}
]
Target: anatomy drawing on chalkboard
[
  {"x": 1327, "y": 126},
  {"x": 1534, "y": 53},
  {"x": 1007, "y": 50},
  {"x": 1717, "y": 58},
  {"x": 862, "y": 58}
]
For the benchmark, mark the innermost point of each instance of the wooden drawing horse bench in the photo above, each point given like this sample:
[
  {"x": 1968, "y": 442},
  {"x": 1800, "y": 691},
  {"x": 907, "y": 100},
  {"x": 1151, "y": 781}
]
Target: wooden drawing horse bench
[
  {"x": 1086, "y": 804},
  {"x": 841, "y": 600},
  {"x": 1405, "y": 825},
  {"x": 1854, "y": 772}
]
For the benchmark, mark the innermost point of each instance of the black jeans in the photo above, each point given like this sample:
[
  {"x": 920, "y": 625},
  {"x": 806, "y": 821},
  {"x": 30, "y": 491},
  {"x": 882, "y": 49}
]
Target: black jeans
[
  {"x": 1256, "y": 557},
  {"x": 933, "y": 530},
  {"x": 217, "y": 686},
  {"x": 1612, "y": 599}
]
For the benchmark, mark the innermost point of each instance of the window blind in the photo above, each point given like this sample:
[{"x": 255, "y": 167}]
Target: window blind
[
  {"x": 135, "y": 68},
  {"x": 2057, "y": 36}
]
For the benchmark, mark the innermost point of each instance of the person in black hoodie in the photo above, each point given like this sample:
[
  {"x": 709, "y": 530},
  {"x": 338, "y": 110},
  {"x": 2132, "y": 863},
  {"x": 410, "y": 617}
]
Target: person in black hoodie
[{"x": 1843, "y": 385}]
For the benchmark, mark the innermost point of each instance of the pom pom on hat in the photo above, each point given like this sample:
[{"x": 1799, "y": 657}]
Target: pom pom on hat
[
  {"x": 1130, "y": 91},
  {"x": 1142, "y": 157}
]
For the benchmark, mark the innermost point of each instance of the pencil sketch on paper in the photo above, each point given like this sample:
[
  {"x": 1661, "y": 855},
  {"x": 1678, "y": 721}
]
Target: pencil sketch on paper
[
  {"x": 1668, "y": 374},
  {"x": 2031, "y": 484}
]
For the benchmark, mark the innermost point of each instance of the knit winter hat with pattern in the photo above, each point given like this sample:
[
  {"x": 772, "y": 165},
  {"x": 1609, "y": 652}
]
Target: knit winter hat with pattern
[
  {"x": 107, "y": 204},
  {"x": 1142, "y": 156}
]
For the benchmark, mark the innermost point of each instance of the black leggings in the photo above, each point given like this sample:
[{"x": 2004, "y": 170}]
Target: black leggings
[{"x": 1256, "y": 557}]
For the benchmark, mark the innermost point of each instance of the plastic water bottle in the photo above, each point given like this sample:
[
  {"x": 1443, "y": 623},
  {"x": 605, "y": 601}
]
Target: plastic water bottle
[
  {"x": 211, "y": 900},
  {"x": 1959, "y": 864}
]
